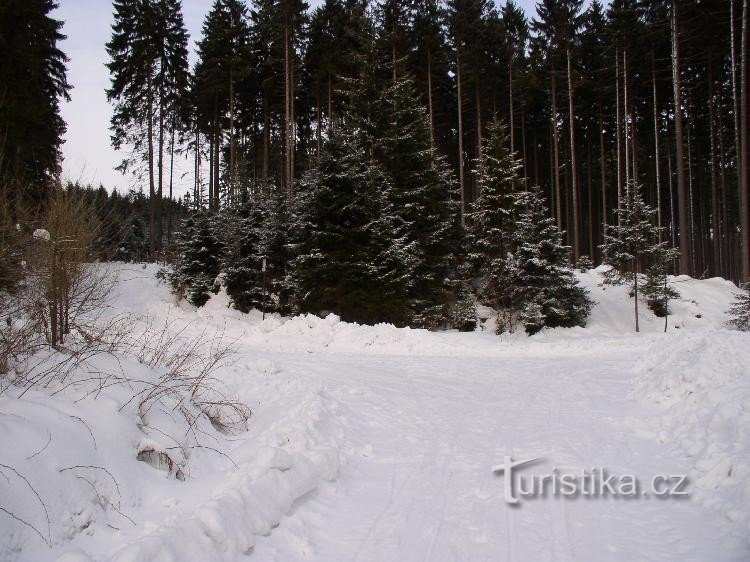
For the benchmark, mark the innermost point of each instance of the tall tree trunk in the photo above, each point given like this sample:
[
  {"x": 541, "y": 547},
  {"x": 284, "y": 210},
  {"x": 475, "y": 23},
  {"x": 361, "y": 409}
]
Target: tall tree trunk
[
  {"x": 319, "y": 121},
  {"x": 211, "y": 161},
  {"x": 745, "y": 151},
  {"x": 682, "y": 194},
  {"x": 429, "y": 97},
  {"x": 461, "y": 179},
  {"x": 691, "y": 208},
  {"x": 603, "y": 173},
  {"x": 510, "y": 104},
  {"x": 715, "y": 222},
  {"x": 232, "y": 147},
  {"x": 626, "y": 122},
  {"x": 657, "y": 160},
  {"x": 573, "y": 174},
  {"x": 330, "y": 101},
  {"x": 556, "y": 149},
  {"x": 287, "y": 112},
  {"x": 151, "y": 184},
  {"x": 171, "y": 183},
  {"x": 590, "y": 194},
  {"x": 266, "y": 141},
  {"x": 618, "y": 134},
  {"x": 160, "y": 191},
  {"x": 479, "y": 135},
  {"x": 523, "y": 145},
  {"x": 217, "y": 164}
]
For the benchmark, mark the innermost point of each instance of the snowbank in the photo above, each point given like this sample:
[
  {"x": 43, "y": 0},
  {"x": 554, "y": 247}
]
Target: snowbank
[{"x": 701, "y": 381}]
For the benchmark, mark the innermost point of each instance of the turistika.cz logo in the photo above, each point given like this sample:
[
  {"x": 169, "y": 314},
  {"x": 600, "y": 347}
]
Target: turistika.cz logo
[{"x": 588, "y": 482}]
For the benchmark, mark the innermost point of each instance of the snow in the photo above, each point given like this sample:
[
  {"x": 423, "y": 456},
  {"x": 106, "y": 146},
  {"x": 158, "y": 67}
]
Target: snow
[
  {"x": 41, "y": 234},
  {"x": 376, "y": 443}
]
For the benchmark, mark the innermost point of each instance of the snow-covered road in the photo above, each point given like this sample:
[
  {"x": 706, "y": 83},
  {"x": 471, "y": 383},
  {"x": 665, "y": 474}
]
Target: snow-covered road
[
  {"x": 421, "y": 434},
  {"x": 373, "y": 443}
]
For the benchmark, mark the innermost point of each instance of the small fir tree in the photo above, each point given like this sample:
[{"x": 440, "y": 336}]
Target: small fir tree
[
  {"x": 199, "y": 257},
  {"x": 542, "y": 285},
  {"x": 740, "y": 309},
  {"x": 490, "y": 222},
  {"x": 634, "y": 243}
]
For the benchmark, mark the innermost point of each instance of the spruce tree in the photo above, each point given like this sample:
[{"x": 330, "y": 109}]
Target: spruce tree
[
  {"x": 423, "y": 201},
  {"x": 740, "y": 309},
  {"x": 199, "y": 257},
  {"x": 225, "y": 60},
  {"x": 490, "y": 222},
  {"x": 633, "y": 244},
  {"x": 542, "y": 287},
  {"x": 258, "y": 235},
  {"x": 32, "y": 82},
  {"x": 344, "y": 260},
  {"x": 149, "y": 77}
]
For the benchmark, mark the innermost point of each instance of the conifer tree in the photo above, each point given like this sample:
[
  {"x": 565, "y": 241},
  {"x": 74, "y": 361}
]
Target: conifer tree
[
  {"x": 740, "y": 309},
  {"x": 344, "y": 260},
  {"x": 542, "y": 288},
  {"x": 257, "y": 235},
  {"x": 224, "y": 61},
  {"x": 490, "y": 222},
  {"x": 149, "y": 77},
  {"x": 32, "y": 82},
  {"x": 423, "y": 200},
  {"x": 634, "y": 243},
  {"x": 199, "y": 257}
]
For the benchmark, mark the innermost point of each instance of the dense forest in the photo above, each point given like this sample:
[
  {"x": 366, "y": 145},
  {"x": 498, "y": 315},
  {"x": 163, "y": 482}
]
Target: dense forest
[
  {"x": 588, "y": 94},
  {"x": 379, "y": 159}
]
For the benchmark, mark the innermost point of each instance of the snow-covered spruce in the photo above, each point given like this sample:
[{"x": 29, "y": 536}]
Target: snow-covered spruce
[
  {"x": 740, "y": 309},
  {"x": 541, "y": 286}
]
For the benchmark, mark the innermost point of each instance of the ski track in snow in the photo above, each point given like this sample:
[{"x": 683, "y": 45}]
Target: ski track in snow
[{"x": 376, "y": 444}]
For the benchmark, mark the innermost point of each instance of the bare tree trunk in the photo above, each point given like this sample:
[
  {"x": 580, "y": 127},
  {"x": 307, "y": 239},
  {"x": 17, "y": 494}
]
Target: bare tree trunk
[
  {"x": 330, "y": 102},
  {"x": 232, "y": 148},
  {"x": 523, "y": 144},
  {"x": 618, "y": 135},
  {"x": 682, "y": 195},
  {"x": 479, "y": 135},
  {"x": 573, "y": 174},
  {"x": 626, "y": 120},
  {"x": 171, "y": 183},
  {"x": 691, "y": 208},
  {"x": 211, "y": 162},
  {"x": 266, "y": 140},
  {"x": 460, "y": 140},
  {"x": 217, "y": 156},
  {"x": 429, "y": 97},
  {"x": 151, "y": 186},
  {"x": 510, "y": 105},
  {"x": 556, "y": 150},
  {"x": 318, "y": 120},
  {"x": 745, "y": 150},
  {"x": 160, "y": 191},
  {"x": 715, "y": 222},
  {"x": 287, "y": 112},
  {"x": 590, "y": 194},
  {"x": 657, "y": 161},
  {"x": 603, "y": 173}
]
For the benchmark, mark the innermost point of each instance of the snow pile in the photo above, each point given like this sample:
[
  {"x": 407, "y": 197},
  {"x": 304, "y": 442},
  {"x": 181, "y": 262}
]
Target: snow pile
[
  {"x": 701, "y": 380},
  {"x": 95, "y": 470}
]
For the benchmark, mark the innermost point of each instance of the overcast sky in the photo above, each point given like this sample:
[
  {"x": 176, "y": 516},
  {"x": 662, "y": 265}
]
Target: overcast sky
[{"x": 89, "y": 157}]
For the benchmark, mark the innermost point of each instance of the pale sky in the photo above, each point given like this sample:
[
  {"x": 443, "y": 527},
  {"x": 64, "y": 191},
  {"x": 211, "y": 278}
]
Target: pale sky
[{"x": 88, "y": 154}]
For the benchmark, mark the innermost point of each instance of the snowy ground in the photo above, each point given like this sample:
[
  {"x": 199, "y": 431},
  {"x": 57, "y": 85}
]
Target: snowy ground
[{"x": 377, "y": 443}]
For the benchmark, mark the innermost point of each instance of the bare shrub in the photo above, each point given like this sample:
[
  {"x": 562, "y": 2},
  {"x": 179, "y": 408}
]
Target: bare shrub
[
  {"x": 188, "y": 382},
  {"x": 62, "y": 287}
]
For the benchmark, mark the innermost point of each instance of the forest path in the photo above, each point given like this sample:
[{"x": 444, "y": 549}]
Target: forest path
[{"x": 421, "y": 435}]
